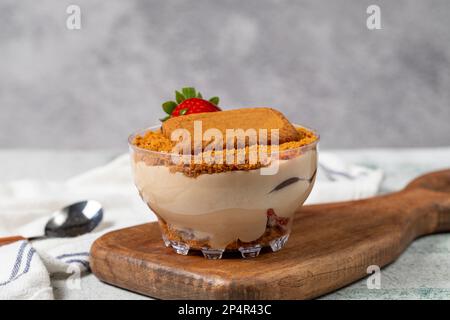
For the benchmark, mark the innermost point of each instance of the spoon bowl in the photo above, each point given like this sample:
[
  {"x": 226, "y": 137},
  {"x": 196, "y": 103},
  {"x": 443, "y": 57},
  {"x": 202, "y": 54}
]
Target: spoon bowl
[{"x": 74, "y": 220}]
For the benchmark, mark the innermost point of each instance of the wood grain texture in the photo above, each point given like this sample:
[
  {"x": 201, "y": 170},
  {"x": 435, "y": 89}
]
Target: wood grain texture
[{"x": 330, "y": 246}]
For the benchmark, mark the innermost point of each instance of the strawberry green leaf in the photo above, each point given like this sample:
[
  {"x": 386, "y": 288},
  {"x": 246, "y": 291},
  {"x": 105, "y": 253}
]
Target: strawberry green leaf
[
  {"x": 169, "y": 106},
  {"x": 164, "y": 119},
  {"x": 183, "y": 111},
  {"x": 188, "y": 92},
  {"x": 214, "y": 100},
  {"x": 179, "y": 96},
  {"x": 199, "y": 95}
]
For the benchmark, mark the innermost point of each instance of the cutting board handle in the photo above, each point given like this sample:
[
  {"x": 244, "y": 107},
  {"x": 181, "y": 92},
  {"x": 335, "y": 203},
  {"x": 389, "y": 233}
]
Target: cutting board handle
[
  {"x": 438, "y": 185},
  {"x": 436, "y": 181}
]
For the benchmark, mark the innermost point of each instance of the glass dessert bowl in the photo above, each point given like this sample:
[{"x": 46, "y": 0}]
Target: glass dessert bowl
[{"x": 216, "y": 208}]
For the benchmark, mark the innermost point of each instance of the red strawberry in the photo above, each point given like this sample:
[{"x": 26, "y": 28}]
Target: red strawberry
[
  {"x": 194, "y": 105},
  {"x": 188, "y": 101}
]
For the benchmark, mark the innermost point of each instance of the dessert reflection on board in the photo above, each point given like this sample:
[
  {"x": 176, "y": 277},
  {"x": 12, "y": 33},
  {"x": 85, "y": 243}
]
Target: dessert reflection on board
[{"x": 222, "y": 181}]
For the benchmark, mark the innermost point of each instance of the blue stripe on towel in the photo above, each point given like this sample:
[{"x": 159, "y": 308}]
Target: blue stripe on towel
[
  {"x": 67, "y": 255},
  {"x": 14, "y": 274},
  {"x": 330, "y": 172},
  {"x": 17, "y": 263},
  {"x": 28, "y": 264}
]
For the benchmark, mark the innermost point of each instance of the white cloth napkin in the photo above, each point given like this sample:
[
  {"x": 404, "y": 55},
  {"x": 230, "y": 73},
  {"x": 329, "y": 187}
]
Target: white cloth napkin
[
  {"x": 25, "y": 205},
  {"x": 340, "y": 181}
]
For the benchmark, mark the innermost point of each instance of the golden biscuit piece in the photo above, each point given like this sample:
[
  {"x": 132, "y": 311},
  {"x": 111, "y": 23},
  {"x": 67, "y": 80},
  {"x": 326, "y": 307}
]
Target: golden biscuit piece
[{"x": 248, "y": 118}]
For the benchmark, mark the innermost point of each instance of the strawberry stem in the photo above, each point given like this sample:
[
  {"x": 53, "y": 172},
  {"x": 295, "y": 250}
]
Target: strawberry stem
[
  {"x": 169, "y": 106},
  {"x": 188, "y": 92},
  {"x": 179, "y": 97},
  {"x": 214, "y": 100}
]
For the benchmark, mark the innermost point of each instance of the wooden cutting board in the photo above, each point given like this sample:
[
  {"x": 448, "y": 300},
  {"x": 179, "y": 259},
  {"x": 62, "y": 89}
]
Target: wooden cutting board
[{"x": 330, "y": 246}]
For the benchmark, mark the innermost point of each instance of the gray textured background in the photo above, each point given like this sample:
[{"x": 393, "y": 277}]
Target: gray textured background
[{"x": 314, "y": 60}]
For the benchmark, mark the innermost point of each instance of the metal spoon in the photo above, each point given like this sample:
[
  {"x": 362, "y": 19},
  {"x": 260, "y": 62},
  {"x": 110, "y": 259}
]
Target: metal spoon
[{"x": 71, "y": 221}]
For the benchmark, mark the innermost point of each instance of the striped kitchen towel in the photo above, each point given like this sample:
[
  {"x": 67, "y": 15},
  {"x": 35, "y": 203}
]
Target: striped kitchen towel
[{"x": 22, "y": 273}]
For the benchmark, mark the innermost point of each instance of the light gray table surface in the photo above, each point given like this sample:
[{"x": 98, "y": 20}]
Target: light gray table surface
[{"x": 421, "y": 272}]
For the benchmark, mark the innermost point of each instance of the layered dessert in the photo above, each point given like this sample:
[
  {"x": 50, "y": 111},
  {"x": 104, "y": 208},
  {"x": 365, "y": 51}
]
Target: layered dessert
[{"x": 223, "y": 180}]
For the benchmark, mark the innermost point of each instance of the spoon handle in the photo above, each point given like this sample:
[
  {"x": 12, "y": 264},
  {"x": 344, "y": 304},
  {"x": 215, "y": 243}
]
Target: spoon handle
[{"x": 8, "y": 240}]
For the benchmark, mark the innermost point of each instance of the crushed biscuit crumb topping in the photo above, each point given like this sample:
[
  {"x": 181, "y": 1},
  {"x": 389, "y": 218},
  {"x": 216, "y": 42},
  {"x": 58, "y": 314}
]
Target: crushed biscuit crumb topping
[{"x": 156, "y": 141}]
